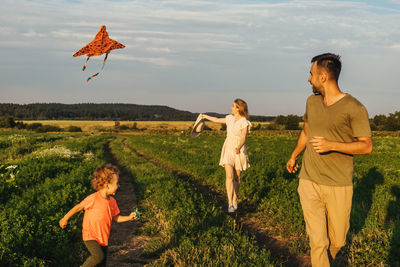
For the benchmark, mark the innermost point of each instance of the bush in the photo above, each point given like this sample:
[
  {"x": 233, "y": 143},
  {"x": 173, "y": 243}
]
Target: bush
[
  {"x": 383, "y": 123},
  {"x": 281, "y": 120},
  {"x": 292, "y": 122},
  {"x": 123, "y": 127},
  {"x": 392, "y": 122},
  {"x": 48, "y": 128},
  {"x": 7, "y": 122},
  {"x": 33, "y": 126},
  {"x": 272, "y": 126},
  {"x": 256, "y": 127},
  {"x": 73, "y": 129}
]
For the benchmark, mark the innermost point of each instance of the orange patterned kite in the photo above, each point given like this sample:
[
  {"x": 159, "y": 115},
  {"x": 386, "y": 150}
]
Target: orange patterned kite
[{"x": 100, "y": 45}]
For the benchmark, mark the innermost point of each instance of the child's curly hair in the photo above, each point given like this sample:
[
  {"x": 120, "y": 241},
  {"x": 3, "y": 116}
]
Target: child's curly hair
[{"x": 103, "y": 175}]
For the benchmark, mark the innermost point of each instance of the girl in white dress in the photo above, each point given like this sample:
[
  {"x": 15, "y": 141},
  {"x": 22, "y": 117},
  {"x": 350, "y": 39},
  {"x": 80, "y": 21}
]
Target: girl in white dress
[{"x": 234, "y": 156}]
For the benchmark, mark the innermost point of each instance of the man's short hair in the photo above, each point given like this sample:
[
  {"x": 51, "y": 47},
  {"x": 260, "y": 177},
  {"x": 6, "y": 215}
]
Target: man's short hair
[{"x": 330, "y": 62}]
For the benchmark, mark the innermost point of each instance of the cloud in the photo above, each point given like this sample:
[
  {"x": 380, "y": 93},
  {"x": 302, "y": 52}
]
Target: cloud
[
  {"x": 7, "y": 31},
  {"x": 32, "y": 33},
  {"x": 159, "y": 61},
  {"x": 395, "y": 47},
  {"x": 343, "y": 43},
  {"x": 67, "y": 34}
]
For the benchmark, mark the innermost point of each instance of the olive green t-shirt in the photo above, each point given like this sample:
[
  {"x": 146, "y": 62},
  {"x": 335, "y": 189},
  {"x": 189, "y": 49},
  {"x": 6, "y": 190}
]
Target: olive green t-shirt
[{"x": 343, "y": 121}]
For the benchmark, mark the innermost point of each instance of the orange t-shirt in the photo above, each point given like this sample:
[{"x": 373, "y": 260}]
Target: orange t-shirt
[{"x": 99, "y": 213}]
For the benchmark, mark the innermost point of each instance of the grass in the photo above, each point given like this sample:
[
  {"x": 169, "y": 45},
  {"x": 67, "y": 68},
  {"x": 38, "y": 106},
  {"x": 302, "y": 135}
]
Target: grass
[
  {"x": 189, "y": 226},
  {"x": 149, "y": 125}
]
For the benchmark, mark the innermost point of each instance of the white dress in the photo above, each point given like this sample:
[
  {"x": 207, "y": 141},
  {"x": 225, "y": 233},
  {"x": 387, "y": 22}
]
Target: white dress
[{"x": 233, "y": 135}]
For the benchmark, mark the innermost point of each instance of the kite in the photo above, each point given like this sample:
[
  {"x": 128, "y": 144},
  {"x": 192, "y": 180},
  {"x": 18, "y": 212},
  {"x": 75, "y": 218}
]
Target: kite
[{"x": 100, "y": 45}]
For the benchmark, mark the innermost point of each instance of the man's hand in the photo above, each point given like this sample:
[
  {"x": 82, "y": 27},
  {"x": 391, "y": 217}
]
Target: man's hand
[
  {"x": 321, "y": 144},
  {"x": 292, "y": 165}
]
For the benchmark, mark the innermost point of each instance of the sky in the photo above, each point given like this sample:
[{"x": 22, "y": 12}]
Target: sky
[{"x": 199, "y": 55}]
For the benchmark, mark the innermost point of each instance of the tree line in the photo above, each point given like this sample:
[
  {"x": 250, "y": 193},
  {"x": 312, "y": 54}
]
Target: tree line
[
  {"x": 92, "y": 111},
  {"x": 386, "y": 123},
  {"x": 11, "y": 114}
]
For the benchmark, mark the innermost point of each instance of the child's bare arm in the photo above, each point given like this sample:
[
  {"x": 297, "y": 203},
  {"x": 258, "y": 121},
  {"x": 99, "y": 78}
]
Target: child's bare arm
[
  {"x": 118, "y": 218},
  {"x": 64, "y": 221}
]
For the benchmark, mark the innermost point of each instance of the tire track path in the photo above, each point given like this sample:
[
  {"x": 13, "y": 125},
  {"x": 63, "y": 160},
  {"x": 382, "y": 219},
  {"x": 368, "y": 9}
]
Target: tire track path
[
  {"x": 278, "y": 247},
  {"x": 125, "y": 248}
]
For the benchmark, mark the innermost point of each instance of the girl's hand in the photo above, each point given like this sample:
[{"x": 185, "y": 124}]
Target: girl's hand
[
  {"x": 63, "y": 223},
  {"x": 237, "y": 150},
  {"x": 132, "y": 216}
]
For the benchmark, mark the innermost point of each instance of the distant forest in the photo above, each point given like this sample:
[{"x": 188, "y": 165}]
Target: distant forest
[{"x": 92, "y": 111}]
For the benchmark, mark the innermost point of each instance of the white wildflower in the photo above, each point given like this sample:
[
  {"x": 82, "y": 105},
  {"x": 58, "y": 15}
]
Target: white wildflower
[
  {"x": 89, "y": 156},
  {"x": 17, "y": 138},
  {"x": 12, "y": 167},
  {"x": 56, "y": 151}
]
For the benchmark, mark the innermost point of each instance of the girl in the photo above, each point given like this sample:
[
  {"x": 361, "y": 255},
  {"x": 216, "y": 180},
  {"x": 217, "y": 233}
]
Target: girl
[
  {"x": 100, "y": 210},
  {"x": 234, "y": 154}
]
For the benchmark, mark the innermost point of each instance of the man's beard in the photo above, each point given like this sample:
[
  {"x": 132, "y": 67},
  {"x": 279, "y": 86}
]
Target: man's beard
[{"x": 315, "y": 90}]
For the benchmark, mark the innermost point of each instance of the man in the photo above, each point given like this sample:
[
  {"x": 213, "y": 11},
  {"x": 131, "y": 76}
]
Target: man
[{"x": 336, "y": 127}]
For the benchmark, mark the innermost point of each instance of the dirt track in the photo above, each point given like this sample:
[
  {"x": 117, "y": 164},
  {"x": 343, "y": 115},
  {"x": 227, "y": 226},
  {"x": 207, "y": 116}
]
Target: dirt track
[
  {"x": 278, "y": 247},
  {"x": 125, "y": 248}
]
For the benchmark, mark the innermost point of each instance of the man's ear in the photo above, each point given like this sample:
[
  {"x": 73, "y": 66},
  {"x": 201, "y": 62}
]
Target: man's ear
[{"x": 323, "y": 77}]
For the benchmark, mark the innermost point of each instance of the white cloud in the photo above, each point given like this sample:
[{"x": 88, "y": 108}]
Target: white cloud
[
  {"x": 159, "y": 61},
  {"x": 66, "y": 34},
  {"x": 32, "y": 33},
  {"x": 343, "y": 43},
  {"x": 6, "y": 31},
  {"x": 395, "y": 47}
]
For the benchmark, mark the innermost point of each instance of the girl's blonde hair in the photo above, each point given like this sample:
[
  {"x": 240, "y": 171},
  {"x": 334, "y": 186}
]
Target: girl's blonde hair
[
  {"x": 103, "y": 175},
  {"x": 242, "y": 105}
]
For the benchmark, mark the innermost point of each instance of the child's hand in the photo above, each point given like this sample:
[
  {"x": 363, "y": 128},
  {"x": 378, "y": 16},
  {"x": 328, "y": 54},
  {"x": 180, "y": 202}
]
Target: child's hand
[
  {"x": 63, "y": 223},
  {"x": 132, "y": 216}
]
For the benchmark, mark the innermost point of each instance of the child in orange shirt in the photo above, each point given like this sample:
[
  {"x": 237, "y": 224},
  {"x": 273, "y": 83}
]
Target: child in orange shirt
[{"x": 100, "y": 210}]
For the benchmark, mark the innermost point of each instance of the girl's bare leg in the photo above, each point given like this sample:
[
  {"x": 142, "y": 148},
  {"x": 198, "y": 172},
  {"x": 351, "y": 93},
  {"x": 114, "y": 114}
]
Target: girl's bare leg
[
  {"x": 236, "y": 185},
  {"x": 229, "y": 171}
]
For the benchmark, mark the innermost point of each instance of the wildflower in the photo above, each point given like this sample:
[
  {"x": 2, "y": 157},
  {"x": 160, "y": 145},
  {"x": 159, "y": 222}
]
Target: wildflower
[
  {"x": 17, "y": 138},
  {"x": 88, "y": 156},
  {"x": 56, "y": 151},
  {"x": 11, "y": 167}
]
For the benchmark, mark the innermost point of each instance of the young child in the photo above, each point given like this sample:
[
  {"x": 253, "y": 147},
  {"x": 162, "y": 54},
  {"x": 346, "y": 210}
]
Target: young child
[{"x": 100, "y": 210}]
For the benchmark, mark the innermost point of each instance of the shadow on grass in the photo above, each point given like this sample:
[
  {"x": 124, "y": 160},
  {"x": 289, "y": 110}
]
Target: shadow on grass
[
  {"x": 362, "y": 201},
  {"x": 393, "y": 218}
]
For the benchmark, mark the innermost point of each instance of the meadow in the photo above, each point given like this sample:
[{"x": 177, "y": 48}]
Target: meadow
[
  {"x": 181, "y": 191},
  {"x": 91, "y": 126}
]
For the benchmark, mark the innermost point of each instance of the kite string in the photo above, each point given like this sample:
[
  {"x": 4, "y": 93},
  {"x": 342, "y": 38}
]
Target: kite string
[{"x": 94, "y": 75}]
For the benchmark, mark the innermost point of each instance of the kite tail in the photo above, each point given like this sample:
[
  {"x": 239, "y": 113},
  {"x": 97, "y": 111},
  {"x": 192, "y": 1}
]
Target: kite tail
[
  {"x": 94, "y": 75},
  {"x": 84, "y": 65}
]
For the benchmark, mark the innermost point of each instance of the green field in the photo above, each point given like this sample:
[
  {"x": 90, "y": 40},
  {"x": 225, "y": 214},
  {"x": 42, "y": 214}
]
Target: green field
[{"x": 181, "y": 190}]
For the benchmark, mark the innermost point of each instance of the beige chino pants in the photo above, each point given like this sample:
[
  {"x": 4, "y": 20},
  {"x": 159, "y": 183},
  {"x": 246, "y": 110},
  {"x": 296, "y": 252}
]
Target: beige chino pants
[{"x": 326, "y": 211}]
